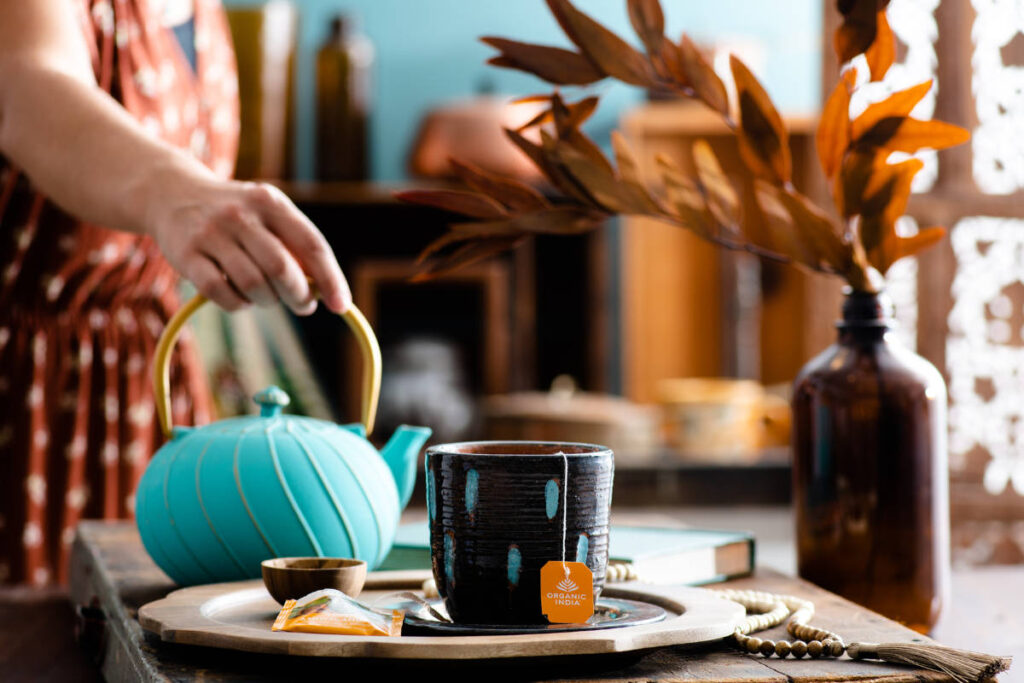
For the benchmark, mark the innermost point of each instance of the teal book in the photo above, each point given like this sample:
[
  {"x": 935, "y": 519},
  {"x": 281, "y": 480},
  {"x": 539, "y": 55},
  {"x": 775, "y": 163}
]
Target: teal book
[{"x": 665, "y": 556}]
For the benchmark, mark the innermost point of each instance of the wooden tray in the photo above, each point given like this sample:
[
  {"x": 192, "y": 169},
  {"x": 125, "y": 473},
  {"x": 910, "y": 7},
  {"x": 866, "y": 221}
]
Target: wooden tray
[{"x": 238, "y": 616}]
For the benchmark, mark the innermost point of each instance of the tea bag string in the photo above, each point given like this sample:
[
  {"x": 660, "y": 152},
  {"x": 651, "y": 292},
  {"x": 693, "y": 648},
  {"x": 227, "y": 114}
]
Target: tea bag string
[{"x": 565, "y": 509}]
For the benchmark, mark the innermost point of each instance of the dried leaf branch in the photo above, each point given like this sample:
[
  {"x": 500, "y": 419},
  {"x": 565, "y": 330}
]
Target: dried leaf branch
[{"x": 869, "y": 192}]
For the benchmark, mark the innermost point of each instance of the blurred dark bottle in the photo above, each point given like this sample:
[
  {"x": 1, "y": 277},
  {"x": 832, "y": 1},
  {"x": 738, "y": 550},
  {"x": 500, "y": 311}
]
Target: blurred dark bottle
[
  {"x": 870, "y": 481},
  {"x": 343, "y": 104}
]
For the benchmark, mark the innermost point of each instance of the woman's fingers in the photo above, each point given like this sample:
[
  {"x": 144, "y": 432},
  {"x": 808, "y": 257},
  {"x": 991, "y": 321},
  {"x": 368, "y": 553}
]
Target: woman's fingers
[
  {"x": 241, "y": 242},
  {"x": 239, "y": 268},
  {"x": 211, "y": 283},
  {"x": 302, "y": 238},
  {"x": 277, "y": 264}
]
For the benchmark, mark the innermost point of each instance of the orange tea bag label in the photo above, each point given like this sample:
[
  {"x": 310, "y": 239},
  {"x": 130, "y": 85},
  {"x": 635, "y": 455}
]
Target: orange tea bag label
[{"x": 566, "y": 592}]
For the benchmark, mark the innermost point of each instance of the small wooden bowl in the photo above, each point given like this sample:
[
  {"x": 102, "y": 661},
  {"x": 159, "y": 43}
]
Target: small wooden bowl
[{"x": 288, "y": 578}]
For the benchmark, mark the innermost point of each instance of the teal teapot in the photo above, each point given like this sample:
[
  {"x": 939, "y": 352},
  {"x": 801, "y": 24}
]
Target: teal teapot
[{"x": 217, "y": 500}]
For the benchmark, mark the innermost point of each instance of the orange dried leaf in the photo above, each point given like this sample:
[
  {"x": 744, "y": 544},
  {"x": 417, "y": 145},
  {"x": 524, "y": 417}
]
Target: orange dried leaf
[
  {"x": 580, "y": 111},
  {"x": 895, "y": 247},
  {"x": 611, "y": 54},
  {"x": 833, "y": 134},
  {"x": 581, "y": 144},
  {"x": 764, "y": 141},
  {"x": 904, "y": 134},
  {"x": 671, "y": 55},
  {"x": 888, "y": 190},
  {"x": 513, "y": 194},
  {"x": 722, "y": 198},
  {"x": 538, "y": 156},
  {"x": 553, "y": 64},
  {"x": 467, "y": 232},
  {"x": 629, "y": 170},
  {"x": 540, "y": 119},
  {"x": 857, "y": 32},
  {"x": 465, "y": 203},
  {"x": 816, "y": 232},
  {"x": 649, "y": 23},
  {"x": 898, "y": 104},
  {"x": 782, "y": 235},
  {"x": 532, "y": 99},
  {"x": 571, "y": 116},
  {"x": 852, "y": 179},
  {"x": 440, "y": 243},
  {"x": 601, "y": 184},
  {"x": 529, "y": 148},
  {"x": 702, "y": 78},
  {"x": 625, "y": 159},
  {"x": 686, "y": 199},
  {"x": 559, "y": 220},
  {"x": 908, "y": 246},
  {"x": 882, "y": 52},
  {"x": 466, "y": 255}
]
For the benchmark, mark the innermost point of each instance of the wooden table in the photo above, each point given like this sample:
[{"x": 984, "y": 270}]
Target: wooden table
[{"x": 112, "y": 577}]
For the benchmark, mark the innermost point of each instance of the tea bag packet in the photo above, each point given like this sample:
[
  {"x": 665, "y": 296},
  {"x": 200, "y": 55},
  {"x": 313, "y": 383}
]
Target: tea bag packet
[
  {"x": 567, "y": 592},
  {"x": 331, "y": 611}
]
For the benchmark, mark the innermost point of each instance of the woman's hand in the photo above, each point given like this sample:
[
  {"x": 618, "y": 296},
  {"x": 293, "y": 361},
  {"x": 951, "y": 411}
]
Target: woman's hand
[
  {"x": 237, "y": 242},
  {"x": 242, "y": 242}
]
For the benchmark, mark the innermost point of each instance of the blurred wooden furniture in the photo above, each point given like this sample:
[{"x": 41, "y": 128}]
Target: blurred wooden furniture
[
  {"x": 688, "y": 308},
  {"x": 488, "y": 282},
  {"x": 112, "y": 575},
  {"x": 631, "y": 430}
]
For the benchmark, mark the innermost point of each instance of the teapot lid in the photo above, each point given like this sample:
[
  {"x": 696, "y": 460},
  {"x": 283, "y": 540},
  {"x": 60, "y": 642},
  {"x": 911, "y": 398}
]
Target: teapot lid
[{"x": 271, "y": 400}]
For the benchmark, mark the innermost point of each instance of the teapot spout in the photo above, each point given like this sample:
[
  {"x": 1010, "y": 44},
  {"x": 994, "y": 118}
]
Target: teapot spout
[{"x": 400, "y": 453}]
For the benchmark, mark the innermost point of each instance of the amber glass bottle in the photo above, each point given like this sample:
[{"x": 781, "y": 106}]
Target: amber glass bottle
[
  {"x": 870, "y": 482},
  {"x": 343, "y": 104}
]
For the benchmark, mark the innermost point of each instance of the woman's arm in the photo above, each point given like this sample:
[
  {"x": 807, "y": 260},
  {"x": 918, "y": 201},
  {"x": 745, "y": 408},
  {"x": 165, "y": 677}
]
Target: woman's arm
[{"x": 237, "y": 242}]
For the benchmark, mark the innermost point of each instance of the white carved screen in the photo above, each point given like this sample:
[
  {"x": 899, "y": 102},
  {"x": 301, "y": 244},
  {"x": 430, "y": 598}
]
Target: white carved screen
[
  {"x": 985, "y": 348},
  {"x": 997, "y": 146}
]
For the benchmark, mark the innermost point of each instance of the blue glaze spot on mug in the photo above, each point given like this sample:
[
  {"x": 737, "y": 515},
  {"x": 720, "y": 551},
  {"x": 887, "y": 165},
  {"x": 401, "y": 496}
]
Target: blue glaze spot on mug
[
  {"x": 515, "y": 563},
  {"x": 431, "y": 496},
  {"x": 582, "y": 547},
  {"x": 551, "y": 498},
  {"x": 449, "y": 556},
  {"x": 472, "y": 479}
]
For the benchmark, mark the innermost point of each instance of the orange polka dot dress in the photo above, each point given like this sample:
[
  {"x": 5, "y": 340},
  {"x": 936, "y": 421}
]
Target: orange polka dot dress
[{"x": 81, "y": 306}]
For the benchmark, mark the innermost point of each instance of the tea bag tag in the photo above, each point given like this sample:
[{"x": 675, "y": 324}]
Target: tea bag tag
[{"x": 566, "y": 592}]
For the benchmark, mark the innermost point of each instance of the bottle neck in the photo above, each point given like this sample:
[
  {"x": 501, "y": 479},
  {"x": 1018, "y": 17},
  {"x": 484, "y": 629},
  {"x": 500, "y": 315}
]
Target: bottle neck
[
  {"x": 867, "y": 317},
  {"x": 340, "y": 30}
]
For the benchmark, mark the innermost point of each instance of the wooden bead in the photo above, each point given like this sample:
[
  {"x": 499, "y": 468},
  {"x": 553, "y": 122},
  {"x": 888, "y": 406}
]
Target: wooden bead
[
  {"x": 799, "y": 649},
  {"x": 782, "y": 648},
  {"x": 767, "y": 647},
  {"x": 836, "y": 648},
  {"x": 754, "y": 645},
  {"x": 815, "y": 648}
]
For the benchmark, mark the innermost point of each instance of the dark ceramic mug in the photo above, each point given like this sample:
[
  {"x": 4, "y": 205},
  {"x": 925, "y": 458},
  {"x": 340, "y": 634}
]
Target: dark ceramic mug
[{"x": 496, "y": 512}]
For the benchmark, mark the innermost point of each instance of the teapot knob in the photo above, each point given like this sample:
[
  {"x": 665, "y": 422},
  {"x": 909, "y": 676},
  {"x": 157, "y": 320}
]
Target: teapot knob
[{"x": 271, "y": 400}]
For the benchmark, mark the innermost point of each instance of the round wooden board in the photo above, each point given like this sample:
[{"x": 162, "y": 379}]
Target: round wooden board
[{"x": 238, "y": 616}]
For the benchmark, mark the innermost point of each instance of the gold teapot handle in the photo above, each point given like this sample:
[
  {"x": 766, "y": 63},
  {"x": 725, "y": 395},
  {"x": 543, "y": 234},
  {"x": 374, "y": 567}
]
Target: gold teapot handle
[{"x": 368, "y": 346}]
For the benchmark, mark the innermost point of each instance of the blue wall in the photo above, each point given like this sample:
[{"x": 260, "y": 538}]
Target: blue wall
[{"x": 427, "y": 52}]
